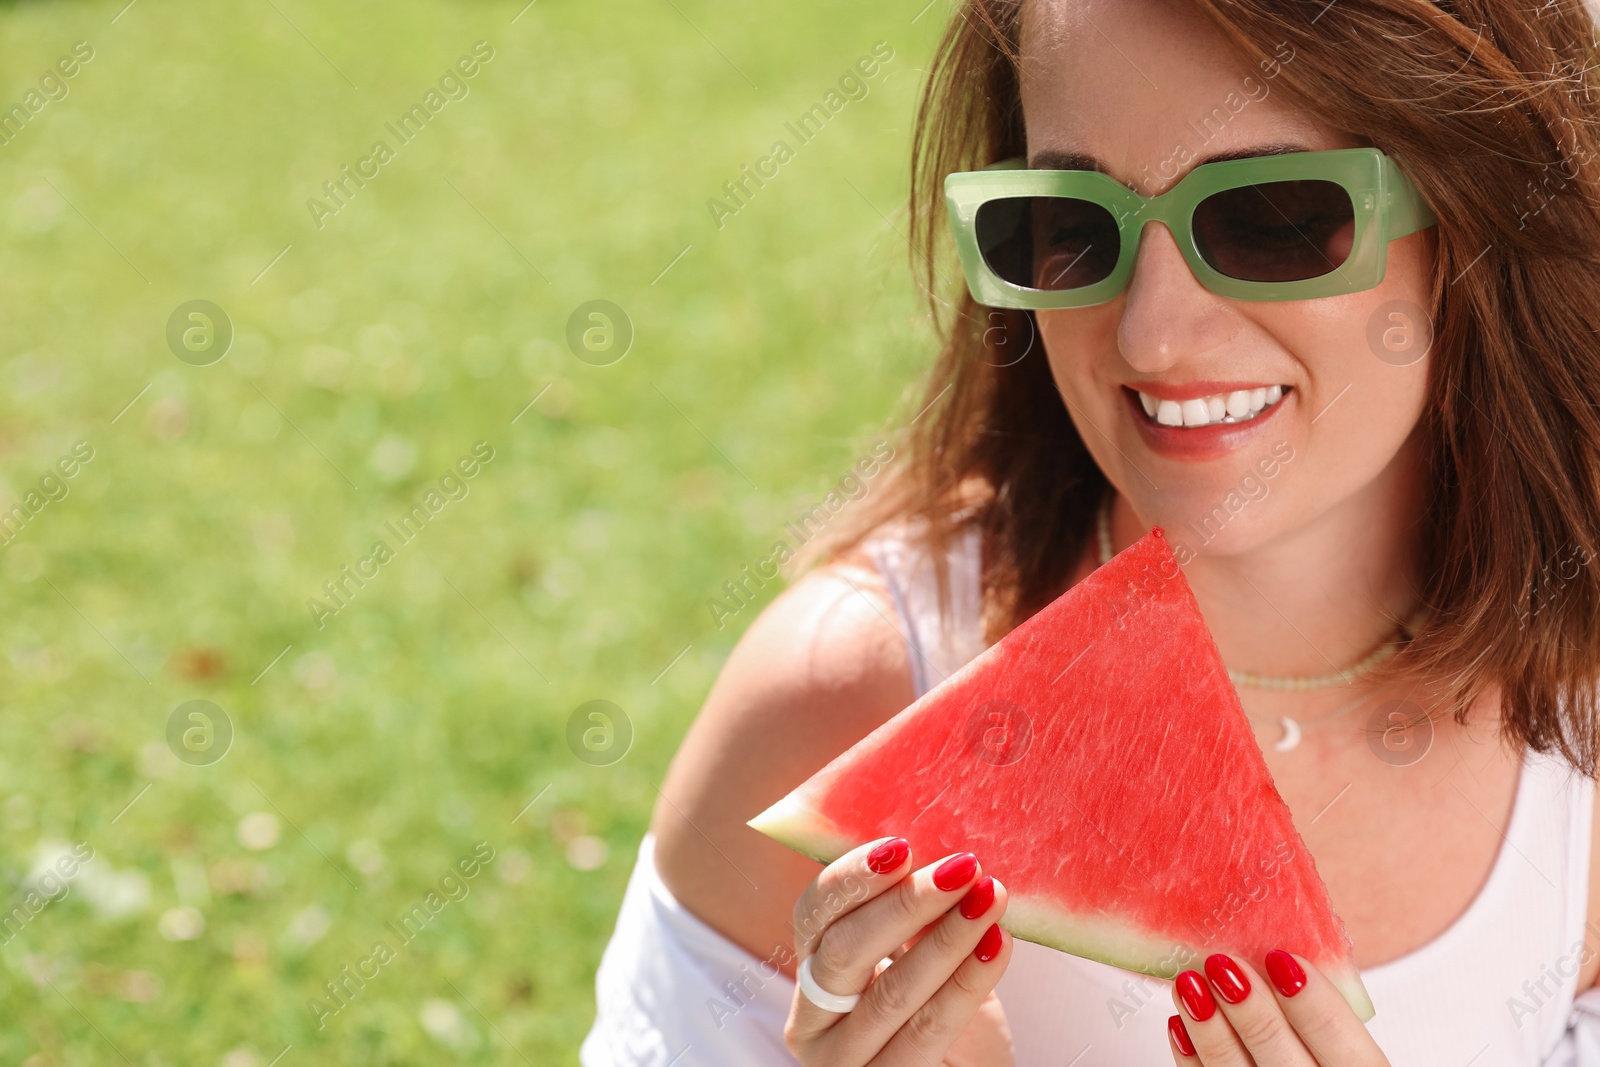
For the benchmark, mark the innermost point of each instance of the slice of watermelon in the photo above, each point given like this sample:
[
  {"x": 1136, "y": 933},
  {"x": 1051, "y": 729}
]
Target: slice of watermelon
[{"x": 1098, "y": 762}]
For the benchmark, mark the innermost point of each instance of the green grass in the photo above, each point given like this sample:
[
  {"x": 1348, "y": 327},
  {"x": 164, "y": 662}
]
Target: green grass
[{"x": 423, "y": 317}]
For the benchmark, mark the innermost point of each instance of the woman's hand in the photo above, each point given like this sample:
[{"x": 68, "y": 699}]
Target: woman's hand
[
  {"x": 921, "y": 947},
  {"x": 1231, "y": 1017}
]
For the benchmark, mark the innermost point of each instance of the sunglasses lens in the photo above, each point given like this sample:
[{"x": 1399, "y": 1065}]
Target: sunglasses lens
[
  {"x": 1048, "y": 242},
  {"x": 1276, "y": 231}
]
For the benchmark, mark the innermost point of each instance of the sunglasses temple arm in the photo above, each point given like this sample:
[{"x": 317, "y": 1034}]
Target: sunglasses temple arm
[{"x": 1408, "y": 212}]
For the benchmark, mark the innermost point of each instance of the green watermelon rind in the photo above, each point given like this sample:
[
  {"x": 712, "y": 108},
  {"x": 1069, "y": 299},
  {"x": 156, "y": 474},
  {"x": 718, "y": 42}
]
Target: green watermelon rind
[
  {"x": 801, "y": 828},
  {"x": 798, "y": 823}
]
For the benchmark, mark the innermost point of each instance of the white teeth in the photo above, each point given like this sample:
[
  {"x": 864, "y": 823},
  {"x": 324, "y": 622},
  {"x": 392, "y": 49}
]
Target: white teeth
[{"x": 1241, "y": 405}]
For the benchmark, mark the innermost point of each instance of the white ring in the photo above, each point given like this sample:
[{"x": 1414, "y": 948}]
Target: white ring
[{"x": 821, "y": 997}]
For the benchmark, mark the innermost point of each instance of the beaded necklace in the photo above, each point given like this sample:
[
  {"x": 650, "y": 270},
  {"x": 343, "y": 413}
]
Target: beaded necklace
[{"x": 1291, "y": 728}]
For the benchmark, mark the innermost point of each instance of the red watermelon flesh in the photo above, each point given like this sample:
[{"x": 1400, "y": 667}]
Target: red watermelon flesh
[{"x": 1098, "y": 762}]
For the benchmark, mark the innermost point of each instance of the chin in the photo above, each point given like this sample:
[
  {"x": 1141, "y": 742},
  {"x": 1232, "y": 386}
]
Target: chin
[{"x": 1221, "y": 516}]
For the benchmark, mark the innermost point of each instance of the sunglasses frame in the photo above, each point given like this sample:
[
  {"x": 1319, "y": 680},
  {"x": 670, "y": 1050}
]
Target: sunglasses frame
[{"x": 1387, "y": 206}]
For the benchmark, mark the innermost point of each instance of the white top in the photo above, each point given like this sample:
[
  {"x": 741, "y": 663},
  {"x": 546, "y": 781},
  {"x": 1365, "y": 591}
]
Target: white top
[{"x": 1495, "y": 988}]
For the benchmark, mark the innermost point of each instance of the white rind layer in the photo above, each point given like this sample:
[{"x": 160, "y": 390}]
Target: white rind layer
[
  {"x": 1348, "y": 982},
  {"x": 1106, "y": 939},
  {"x": 795, "y": 824},
  {"x": 1102, "y": 938},
  {"x": 1096, "y": 937}
]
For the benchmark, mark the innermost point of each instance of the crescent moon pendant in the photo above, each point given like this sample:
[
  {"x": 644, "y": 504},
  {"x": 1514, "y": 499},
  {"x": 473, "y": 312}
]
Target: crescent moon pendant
[{"x": 1291, "y": 735}]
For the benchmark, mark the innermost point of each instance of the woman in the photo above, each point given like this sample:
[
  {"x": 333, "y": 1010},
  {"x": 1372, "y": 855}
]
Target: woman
[{"x": 1417, "y": 356}]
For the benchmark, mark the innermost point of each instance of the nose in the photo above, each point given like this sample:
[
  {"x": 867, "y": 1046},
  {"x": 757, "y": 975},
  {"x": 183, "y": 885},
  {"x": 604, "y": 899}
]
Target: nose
[{"x": 1167, "y": 315}]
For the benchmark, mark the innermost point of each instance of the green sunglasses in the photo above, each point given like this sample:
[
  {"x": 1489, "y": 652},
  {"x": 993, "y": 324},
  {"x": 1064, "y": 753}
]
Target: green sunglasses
[{"x": 1275, "y": 227}]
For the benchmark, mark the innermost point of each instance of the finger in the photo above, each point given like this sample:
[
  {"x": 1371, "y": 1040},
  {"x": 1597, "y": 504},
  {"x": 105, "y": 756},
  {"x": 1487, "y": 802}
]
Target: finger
[
  {"x": 857, "y": 939},
  {"x": 849, "y": 949},
  {"x": 848, "y": 882},
  {"x": 1215, "y": 1043},
  {"x": 1253, "y": 1014},
  {"x": 1320, "y": 1014},
  {"x": 930, "y": 1031},
  {"x": 912, "y": 981},
  {"x": 1183, "y": 1051}
]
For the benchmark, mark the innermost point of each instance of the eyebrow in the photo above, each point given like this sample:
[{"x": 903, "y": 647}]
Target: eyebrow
[{"x": 1050, "y": 159}]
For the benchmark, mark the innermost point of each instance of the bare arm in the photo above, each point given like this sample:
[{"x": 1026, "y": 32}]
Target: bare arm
[{"x": 820, "y": 667}]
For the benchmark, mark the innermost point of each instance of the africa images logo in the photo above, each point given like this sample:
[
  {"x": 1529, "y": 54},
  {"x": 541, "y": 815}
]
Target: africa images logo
[
  {"x": 742, "y": 591},
  {"x": 853, "y": 85},
  {"x": 352, "y": 178}
]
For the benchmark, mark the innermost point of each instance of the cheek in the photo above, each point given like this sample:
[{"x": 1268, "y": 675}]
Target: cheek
[
  {"x": 1366, "y": 355},
  {"x": 1392, "y": 332},
  {"x": 1411, "y": 264},
  {"x": 1074, "y": 340},
  {"x": 1360, "y": 400},
  {"x": 1087, "y": 369}
]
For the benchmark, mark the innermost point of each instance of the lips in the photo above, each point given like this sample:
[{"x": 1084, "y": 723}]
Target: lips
[
  {"x": 1230, "y": 405},
  {"x": 1188, "y": 437}
]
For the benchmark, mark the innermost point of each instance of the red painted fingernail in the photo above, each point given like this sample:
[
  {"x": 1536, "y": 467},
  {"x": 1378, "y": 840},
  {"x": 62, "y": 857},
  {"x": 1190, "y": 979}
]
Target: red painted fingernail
[
  {"x": 889, "y": 855},
  {"x": 1227, "y": 977},
  {"x": 955, "y": 872},
  {"x": 1286, "y": 973},
  {"x": 978, "y": 898},
  {"x": 989, "y": 944},
  {"x": 1180, "y": 1035},
  {"x": 1196, "y": 996}
]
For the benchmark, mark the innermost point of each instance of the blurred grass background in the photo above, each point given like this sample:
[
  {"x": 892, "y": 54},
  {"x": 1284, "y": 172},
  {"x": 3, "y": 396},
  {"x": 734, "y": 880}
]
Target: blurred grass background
[{"x": 371, "y": 754}]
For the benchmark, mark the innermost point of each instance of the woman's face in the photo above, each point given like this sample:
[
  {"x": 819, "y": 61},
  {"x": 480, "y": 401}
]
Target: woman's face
[{"x": 1148, "y": 89}]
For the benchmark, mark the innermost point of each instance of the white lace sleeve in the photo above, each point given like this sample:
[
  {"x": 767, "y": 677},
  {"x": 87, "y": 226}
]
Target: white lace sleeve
[
  {"x": 1580, "y": 1045},
  {"x": 672, "y": 991}
]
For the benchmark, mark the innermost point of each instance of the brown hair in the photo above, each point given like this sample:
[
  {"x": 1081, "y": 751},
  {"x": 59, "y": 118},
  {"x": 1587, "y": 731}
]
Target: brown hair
[{"x": 1491, "y": 105}]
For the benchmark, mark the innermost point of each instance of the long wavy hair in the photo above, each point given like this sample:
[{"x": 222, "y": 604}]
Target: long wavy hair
[{"x": 1492, "y": 105}]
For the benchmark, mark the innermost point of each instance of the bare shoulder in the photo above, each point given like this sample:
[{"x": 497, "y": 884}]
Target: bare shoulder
[{"x": 817, "y": 670}]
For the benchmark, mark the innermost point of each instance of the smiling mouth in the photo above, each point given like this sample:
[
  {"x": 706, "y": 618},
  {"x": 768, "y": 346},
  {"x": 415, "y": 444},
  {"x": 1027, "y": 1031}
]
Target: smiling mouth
[{"x": 1240, "y": 405}]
